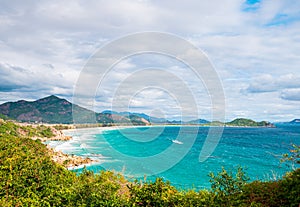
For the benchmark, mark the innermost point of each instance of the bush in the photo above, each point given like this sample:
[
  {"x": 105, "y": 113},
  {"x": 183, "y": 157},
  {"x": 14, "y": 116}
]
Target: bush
[
  {"x": 285, "y": 192},
  {"x": 293, "y": 157},
  {"x": 28, "y": 177},
  {"x": 227, "y": 187},
  {"x": 158, "y": 193},
  {"x": 101, "y": 189}
]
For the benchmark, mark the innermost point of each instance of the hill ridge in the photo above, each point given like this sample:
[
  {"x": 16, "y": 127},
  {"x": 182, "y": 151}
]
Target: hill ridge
[
  {"x": 56, "y": 110},
  {"x": 52, "y": 109}
]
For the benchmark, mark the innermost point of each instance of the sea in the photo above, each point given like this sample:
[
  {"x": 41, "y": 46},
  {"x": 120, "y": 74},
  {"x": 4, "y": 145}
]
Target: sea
[{"x": 173, "y": 152}]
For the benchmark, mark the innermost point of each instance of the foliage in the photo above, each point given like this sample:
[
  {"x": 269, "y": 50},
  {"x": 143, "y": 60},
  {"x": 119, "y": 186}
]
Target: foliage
[
  {"x": 226, "y": 185},
  {"x": 285, "y": 192},
  {"x": 2, "y": 116},
  {"x": 10, "y": 128},
  {"x": 44, "y": 131},
  {"x": 293, "y": 157},
  {"x": 61, "y": 127},
  {"x": 101, "y": 189},
  {"x": 28, "y": 177},
  {"x": 158, "y": 193},
  {"x": 248, "y": 122}
]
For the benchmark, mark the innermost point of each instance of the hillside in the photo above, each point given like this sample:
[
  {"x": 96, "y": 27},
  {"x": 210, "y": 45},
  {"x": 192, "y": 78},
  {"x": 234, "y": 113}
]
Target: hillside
[
  {"x": 249, "y": 123},
  {"x": 50, "y": 109},
  {"x": 198, "y": 121},
  {"x": 148, "y": 118},
  {"x": 53, "y": 109},
  {"x": 30, "y": 177}
]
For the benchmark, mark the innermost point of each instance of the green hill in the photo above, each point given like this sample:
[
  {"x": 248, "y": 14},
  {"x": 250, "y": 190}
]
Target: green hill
[
  {"x": 56, "y": 110},
  {"x": 249, "y": 122},
  {"x": 50, "y": 109}
]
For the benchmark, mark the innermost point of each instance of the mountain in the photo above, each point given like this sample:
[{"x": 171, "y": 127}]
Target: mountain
[
  {"x": 121, "y": 118},
  {"x": 151, "y": 119},
  {"x": 53, "y": 109},
  {"x": 50, "y": 109},
  {"x": 295, "y": 121},
  {"x": 198, "y": 121}
]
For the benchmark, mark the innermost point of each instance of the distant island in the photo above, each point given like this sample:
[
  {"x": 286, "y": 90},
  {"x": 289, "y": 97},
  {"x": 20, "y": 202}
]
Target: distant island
[
  {"x": 249, "y": 122},
  {"x": 55, "y": 110},
  {"x": 295, "y": 121}
]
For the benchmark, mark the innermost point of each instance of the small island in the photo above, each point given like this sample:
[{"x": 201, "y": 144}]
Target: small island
[
  {"x": 249, "y": 123},
  {"x": 241, "y": 122},
  {"x": 295, "y": 121}
]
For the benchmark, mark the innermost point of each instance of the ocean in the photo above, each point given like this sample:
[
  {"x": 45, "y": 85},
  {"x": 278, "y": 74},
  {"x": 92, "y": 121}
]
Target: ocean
[{"x": 172, "y": 152}]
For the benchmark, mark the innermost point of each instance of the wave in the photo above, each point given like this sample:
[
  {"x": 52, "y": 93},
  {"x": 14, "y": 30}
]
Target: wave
[{"x": 83, "y": 146}]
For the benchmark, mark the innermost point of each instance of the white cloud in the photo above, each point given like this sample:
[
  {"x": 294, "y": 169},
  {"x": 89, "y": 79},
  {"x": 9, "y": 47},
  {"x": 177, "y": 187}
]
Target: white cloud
[
  {"x": 45, "y": 44},
  {"x": 269, "y": 83},
  {"x": 291, "y": 94}
]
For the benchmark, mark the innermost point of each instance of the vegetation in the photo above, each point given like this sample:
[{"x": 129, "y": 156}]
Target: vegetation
[
  {"x": 62, "y": 127},
  {"x": 248, "y": 122},
  {"x": 55, "y": 110},
  {"x": 10, "y": 128},
  {"x": 28, "y": 177},
  {"x": 2, "y": 116},
  {"x": 215, "y": 123},
  {"x": 293, "y": 158},
  {"x": 240, "y": 122},
  {"x": 225, "y": 185}
]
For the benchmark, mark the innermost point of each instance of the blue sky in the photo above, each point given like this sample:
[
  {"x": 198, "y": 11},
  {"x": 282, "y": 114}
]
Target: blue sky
[{"x": 253, "y": 45}]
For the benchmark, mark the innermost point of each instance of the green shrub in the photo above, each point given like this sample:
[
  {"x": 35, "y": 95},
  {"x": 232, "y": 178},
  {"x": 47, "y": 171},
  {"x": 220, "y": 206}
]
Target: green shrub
[
  {"x": 227, "y": 187},
  {"x": 44, "y": 131},
  {"x": 285, "y": 192},
  {"x": 193, "y": 198},
  {"x": 27, "y": 172},
  {"x": 158, "y": 193},
  {"x": 28, "y": 177},
  {"x": 101, "y": 189},
  {"x": 293, "y": 157}
]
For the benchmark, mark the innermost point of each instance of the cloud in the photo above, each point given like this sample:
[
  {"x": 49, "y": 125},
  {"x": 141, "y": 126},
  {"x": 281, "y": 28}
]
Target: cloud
[
  {"x": 264, "y": 83},
  {"x": 268, "y": 83},
  {"x": 291, "y": 94},
  {"x": 46, "y": 80},
  {"x": 254, "y": 46}
]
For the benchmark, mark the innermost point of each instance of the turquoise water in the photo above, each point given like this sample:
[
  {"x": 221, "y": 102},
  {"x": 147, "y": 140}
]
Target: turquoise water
[{"x": 152, "y": 152}]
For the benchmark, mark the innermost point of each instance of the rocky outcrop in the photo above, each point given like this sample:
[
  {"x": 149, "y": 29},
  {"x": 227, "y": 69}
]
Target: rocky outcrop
[{"x": 68, "y": 161}]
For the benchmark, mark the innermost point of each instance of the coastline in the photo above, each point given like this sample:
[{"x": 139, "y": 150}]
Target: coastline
[
  {"x": 71, "y": 161},
  {"x": 68, "y": 161}
]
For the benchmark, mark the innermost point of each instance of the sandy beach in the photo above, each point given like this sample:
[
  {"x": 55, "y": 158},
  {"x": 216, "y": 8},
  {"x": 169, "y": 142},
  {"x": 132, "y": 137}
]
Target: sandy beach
[{"x": 73, "y": 161}]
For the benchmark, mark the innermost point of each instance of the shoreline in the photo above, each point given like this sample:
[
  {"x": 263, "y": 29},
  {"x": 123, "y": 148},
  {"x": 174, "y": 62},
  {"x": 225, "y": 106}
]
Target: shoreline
[
  {"x": 68, "y": 161},
  {"x": 71, "y": 161}
]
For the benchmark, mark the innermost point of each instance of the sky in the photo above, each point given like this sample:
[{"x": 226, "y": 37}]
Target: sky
[{"x": 254, "y": 46}]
